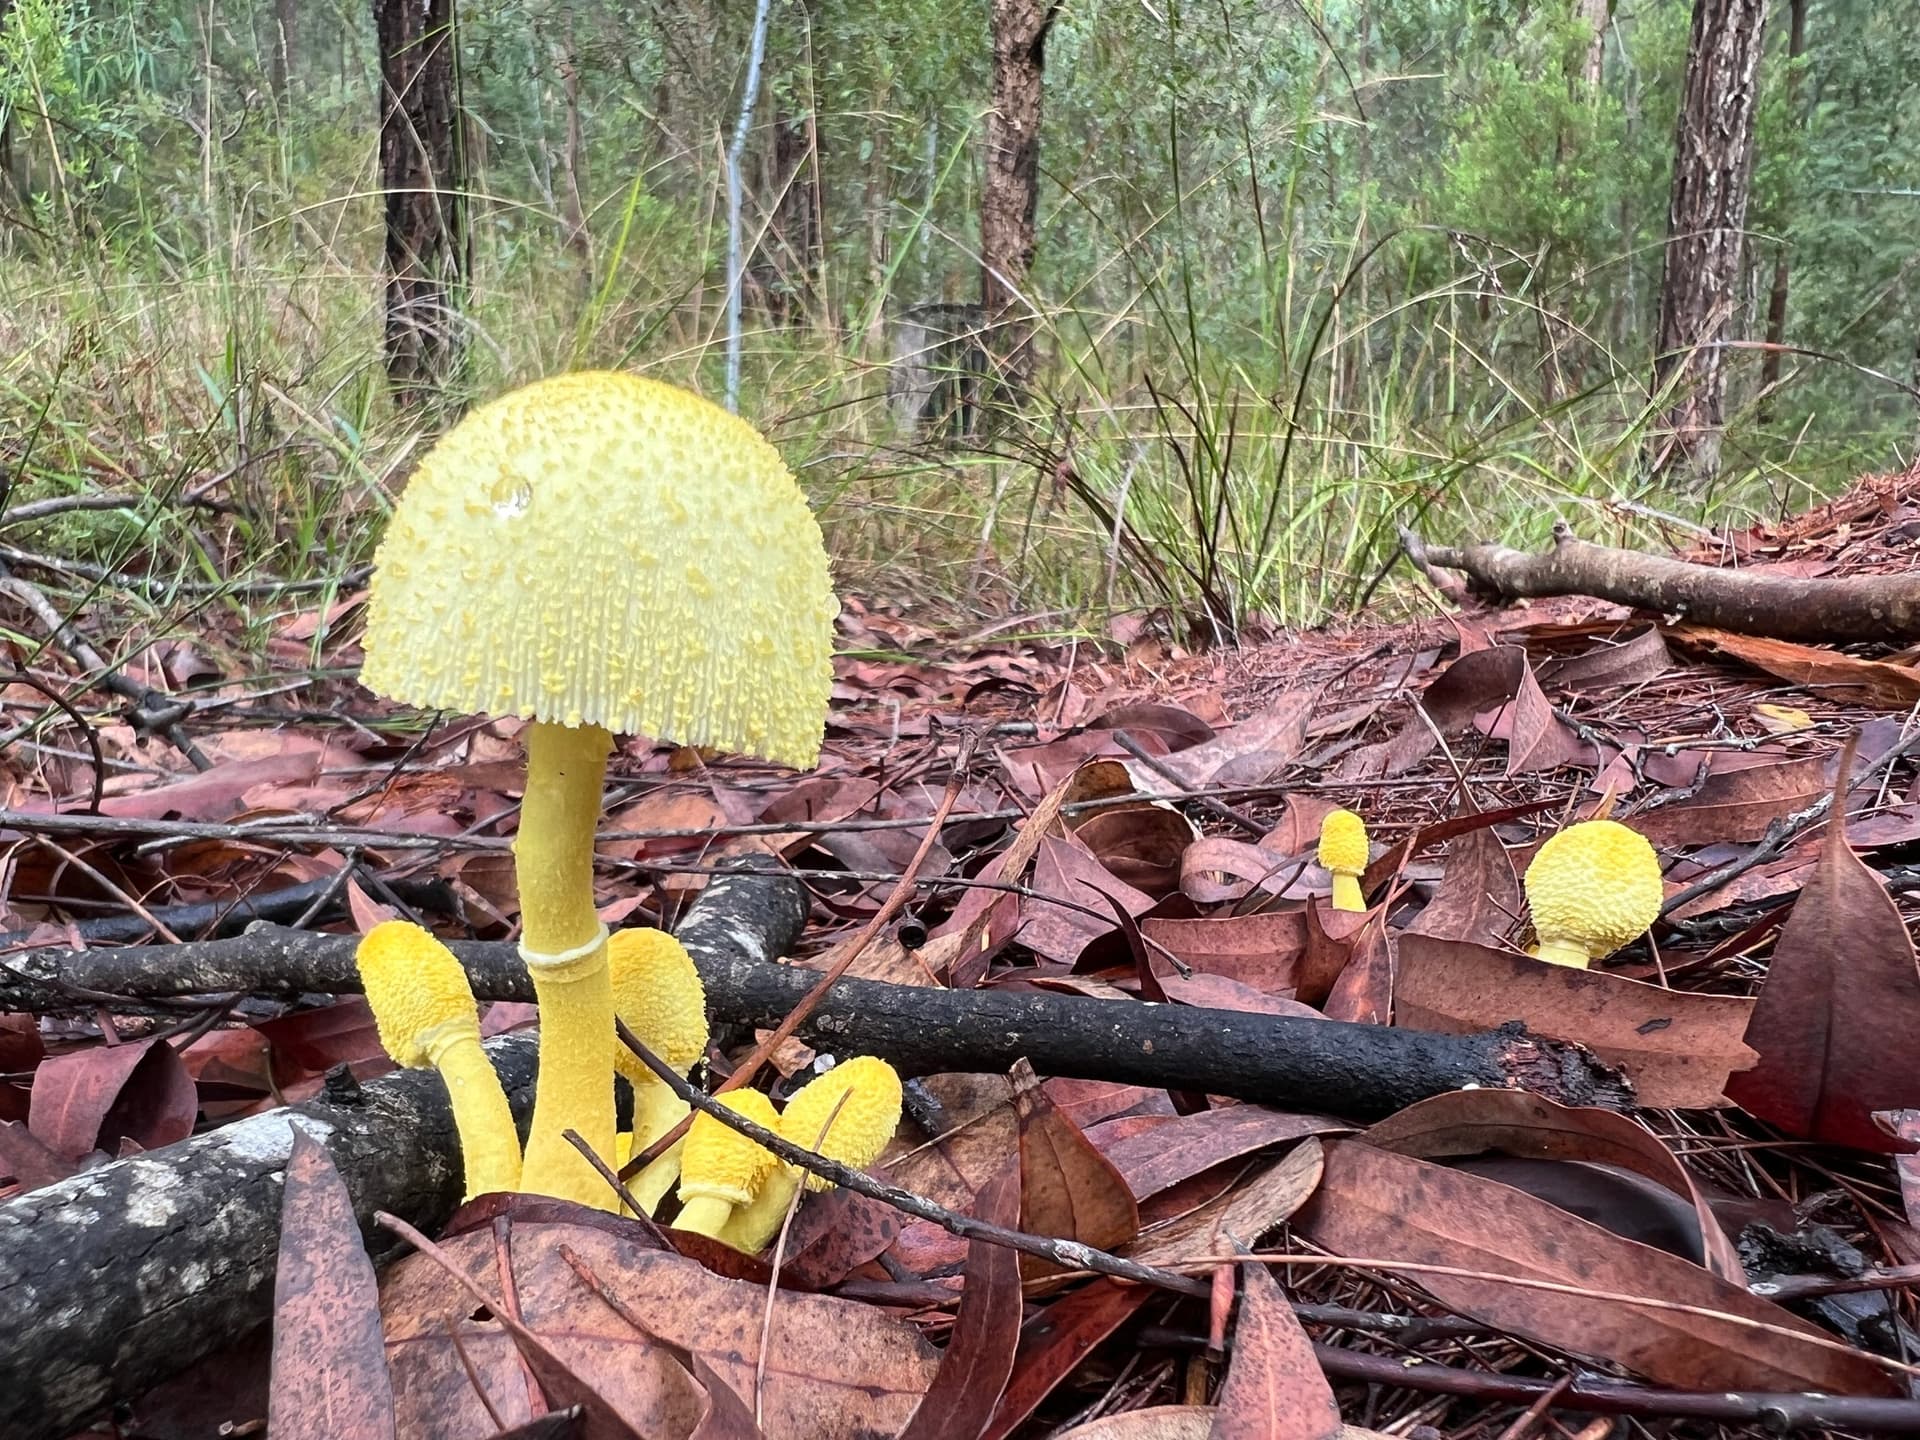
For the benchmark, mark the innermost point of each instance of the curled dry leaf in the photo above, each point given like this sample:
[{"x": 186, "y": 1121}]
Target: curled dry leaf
[
  {"x": 1835, "y": 1020},
  {"x": 1677, "y": 1046},
  {"x": 1735, "y": 806},
  {"x": 1478, "y": 899},
  {"x": 1164, "y": 1150},
  {"x": 1633, "y": 661},
  {"x": 1068, "y": 1189},
  {"x": 1055, "y": 1341},
  {"x": 1262, "y": 950},
  {"x": 1878, "y": 682},
  {"x": 1064, "y": 870},
  {"x": 1519, "y": 1123},
  {"x": 1244, "y": 1213},
  {"x": 1376, "y": 1205},
  {"x": 103, "y": 1095}
]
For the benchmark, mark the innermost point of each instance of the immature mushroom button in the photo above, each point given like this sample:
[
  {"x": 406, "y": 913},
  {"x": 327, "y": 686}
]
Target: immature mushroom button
[
  {"x": 1343, "y": 850},
  {"x": 720, "y": 1168},
  {"x": 848, "y": 1114},
  {"x": 512, "y": 581},
  {"x": 1592, "y": 888},
  {"x": 424, "y": 1009},
  {"x": 658, "y": 993}
]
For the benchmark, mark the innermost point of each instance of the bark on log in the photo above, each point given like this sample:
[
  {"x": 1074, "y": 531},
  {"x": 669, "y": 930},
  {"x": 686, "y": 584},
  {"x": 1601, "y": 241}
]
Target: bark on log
[
  {"x": 1363, "y": 1071},
  {"x": 116, "y": 1278},
  {"x": 1831, "y": 609}
]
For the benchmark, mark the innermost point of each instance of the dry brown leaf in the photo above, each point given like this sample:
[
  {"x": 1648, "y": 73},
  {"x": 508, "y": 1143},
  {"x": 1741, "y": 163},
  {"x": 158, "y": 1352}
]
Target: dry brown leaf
[
  {"x": 1878, "y": 682},
  {"x": 1068, "y": 1189},
  {"x": 1479, "y": 895},
  {"x": 1274, "y": 1389},
  {"x": 1244, "y": 1213},
  {"x": 837, "y": 1369},
  {"x": 1735, "y": 806},
  {"x": 1678, "y": 1047},
  {"x": 1054, "y": 1342},
  {"x": 1262, "y": 950},
  {"x": 1376, "y": 1205},
  {"x": 1161, "y": 1151}
]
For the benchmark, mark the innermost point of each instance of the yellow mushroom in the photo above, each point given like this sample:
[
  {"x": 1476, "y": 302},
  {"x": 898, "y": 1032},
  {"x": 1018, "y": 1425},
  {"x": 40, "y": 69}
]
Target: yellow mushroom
[
  {"x": 424, "y": 1009},
  {"x": 1592, "y": 888},
  {"x": 1343, "y": 850},
  {"x": 720, "y": 1169},
  {"x": 600, "y": 554},
  {"x": 657, "y": 991},
  {"x": 848, "y": 1114}
]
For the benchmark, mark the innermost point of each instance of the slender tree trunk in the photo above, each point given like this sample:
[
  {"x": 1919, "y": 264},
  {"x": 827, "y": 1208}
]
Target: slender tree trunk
[
  {"x": 573, "y": 162},
  {"x": 1009, "y": 201},
  {"x": 1777, "y": 299},
  {"x": 784, "y": 268},
  {"x": 1706, "y": 215},
  {"x": 285, "y": 17},
  {"x": 1598, "y": 14},
  {"x": 427, "y": 239}
]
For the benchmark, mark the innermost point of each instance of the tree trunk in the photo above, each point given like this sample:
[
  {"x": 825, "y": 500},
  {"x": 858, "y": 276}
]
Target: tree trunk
[
  {"x": 1010, "y": 198},
  {"x": 573, "y": 158},
  {"x": 427, "y": 240},
  {"x": 1777, "y": 299},
  {"x": 282, "y": 51},
  {"x": 1598, "y": 14},
  {"x": 784, "y": 268},
  {"x": 1706, "y": 213}
]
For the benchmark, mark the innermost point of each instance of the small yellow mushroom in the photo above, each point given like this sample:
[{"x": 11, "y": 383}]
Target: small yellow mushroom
[
  {"x": 848, "y": 1114},
  {"x": 424, "y": 1009},
  {"x": 720, "y": 1169},
  {"x": 1592, "y": 888},
  {"x": 1343, "y": 850}
]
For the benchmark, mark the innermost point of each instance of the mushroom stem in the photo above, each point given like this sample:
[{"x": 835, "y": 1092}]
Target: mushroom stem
[
  {"x": 1346, "y": 892},
  {"x": 565, "y": 947},
  {"x": 489, "y": 1144},
  {"x": 751, "y": 1227},
  {"x": 704, "y": 1215},
  {"x": 1563, "y": 952}
]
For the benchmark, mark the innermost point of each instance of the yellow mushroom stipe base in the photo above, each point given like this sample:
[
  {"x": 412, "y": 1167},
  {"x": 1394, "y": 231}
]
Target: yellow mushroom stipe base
[
  {"x": 1592, "y": 888},
  {"x": 720, "y": 1168},
  {"x": 565, "y": 948},
  {"x": 1343, "y": 851},
  {"x": 425, "y": 1012},
  {"x": 657, "y": 991},
  {"x": 848, "y": 1114}
]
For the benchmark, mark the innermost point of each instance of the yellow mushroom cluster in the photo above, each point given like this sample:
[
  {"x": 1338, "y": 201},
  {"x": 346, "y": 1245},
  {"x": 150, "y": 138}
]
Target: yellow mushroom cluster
[{"x": 600, "y": 554}]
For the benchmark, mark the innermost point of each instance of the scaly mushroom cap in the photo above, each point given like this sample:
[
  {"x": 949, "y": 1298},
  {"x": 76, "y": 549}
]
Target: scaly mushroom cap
[
  {"x": 418, "y": 991},
  {"x": 1595, "y": 885},
  {"x": 1343, "y": 843},
  {"x": 862, "y": 1125},
  {"x": 600, "y": 549},
  {"x": 718, "y": 1162},
  {"x": 658, "y": 993}
]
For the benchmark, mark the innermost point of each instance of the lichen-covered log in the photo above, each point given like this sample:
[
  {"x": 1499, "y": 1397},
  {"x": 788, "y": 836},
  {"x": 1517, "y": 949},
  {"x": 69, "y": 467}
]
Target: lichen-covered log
[{"x": 118, "y": 1277}]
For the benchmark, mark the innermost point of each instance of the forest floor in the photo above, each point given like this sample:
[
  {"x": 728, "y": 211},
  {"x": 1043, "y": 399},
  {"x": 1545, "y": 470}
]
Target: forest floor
[{"x": 1127, "y": 821}]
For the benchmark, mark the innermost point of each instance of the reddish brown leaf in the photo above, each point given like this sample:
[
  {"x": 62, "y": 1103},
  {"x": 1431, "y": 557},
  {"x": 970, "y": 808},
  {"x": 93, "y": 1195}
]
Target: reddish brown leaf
[
  {"x": 1064, "y": 870},
  {"x": 1631, "y": 662},
  {"x": 1278, "y": 732},
  {"x": 1068, "y": 1189},
  {"x": 1262, "y": 950},
  {"x": 1363, "y": 994},
  {"x": 1520, "y": 1123},
  {"x": 224, "y": 791},
  {"x": 1880, "y": 682},
  {"x": 1537, "y": 739},
  {"x": 1735, "y": 806},
  {"x": 1275, "y": 872},
  {"x": 1274, "y": 1389},
  {"x": 1054, "y": 1343},
  {"x": 1835, "y": 1020},
  {"x": 1478, "y": 896},
  {"x": 25, "y": 1161},
  {"x": 1677, "y": 1046},
  {"x": 1298, "y": 832},
  {"x": 342, "y": 1033},
  {"x": 95, "y": 1098},
  {"x": 1177, "y": 1147},
  {"x": 960, "y": 1402},
  {"x": 1216, "y": 992},
  {"x": 1141, "y": 845},
  {"x": 1241, "y": 1215},
  {"x": 330, "y": 1378},
  {"x": 1179, "y": 727},
  {"x": 1378, "y": 1205},
  {"x": 1477, "y": 682},
  {"x": 835, "y": 1234}
]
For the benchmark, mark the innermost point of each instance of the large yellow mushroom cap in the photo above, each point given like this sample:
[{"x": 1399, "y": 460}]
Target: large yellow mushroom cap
[
  {"x": 1593, "y": 887},
  {"x": 718, "y": 1162},
  {"x": 1343, "y": 843},
  {"x": 418, "y": 991},
  {"x": 861, "y": 1126},
  {"x": 658, "y": 993},
  {"x": 601, "y": 549}
]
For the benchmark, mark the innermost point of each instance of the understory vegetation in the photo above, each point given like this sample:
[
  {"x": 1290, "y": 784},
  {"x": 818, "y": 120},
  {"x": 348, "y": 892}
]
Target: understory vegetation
[{"x": 1304, "y": 272}]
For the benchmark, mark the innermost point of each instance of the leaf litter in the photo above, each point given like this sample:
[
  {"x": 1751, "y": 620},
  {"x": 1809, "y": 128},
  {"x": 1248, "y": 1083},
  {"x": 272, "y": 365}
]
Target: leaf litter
[{"x": 1141, "y": 821}]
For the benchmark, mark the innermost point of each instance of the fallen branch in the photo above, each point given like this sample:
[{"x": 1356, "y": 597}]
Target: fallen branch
[
  {"x": 122, "y": 1275},
  {"x": 1831, "y": 609},
  {"x": 1362, "y": 1071}
]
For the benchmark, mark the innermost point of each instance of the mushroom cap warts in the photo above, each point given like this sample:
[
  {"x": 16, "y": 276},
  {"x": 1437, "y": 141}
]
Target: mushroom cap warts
[
  {"x": 1343, "y": 843},
  {"x": 602, "y": 549},
  {"x": 861, "y": 1126},
  {"x": 418, "y": 991},
  {"x": 720, "y": 1163},
  {"x": 1596, "y": 885},
  {"x": 658, "y": 993}
]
